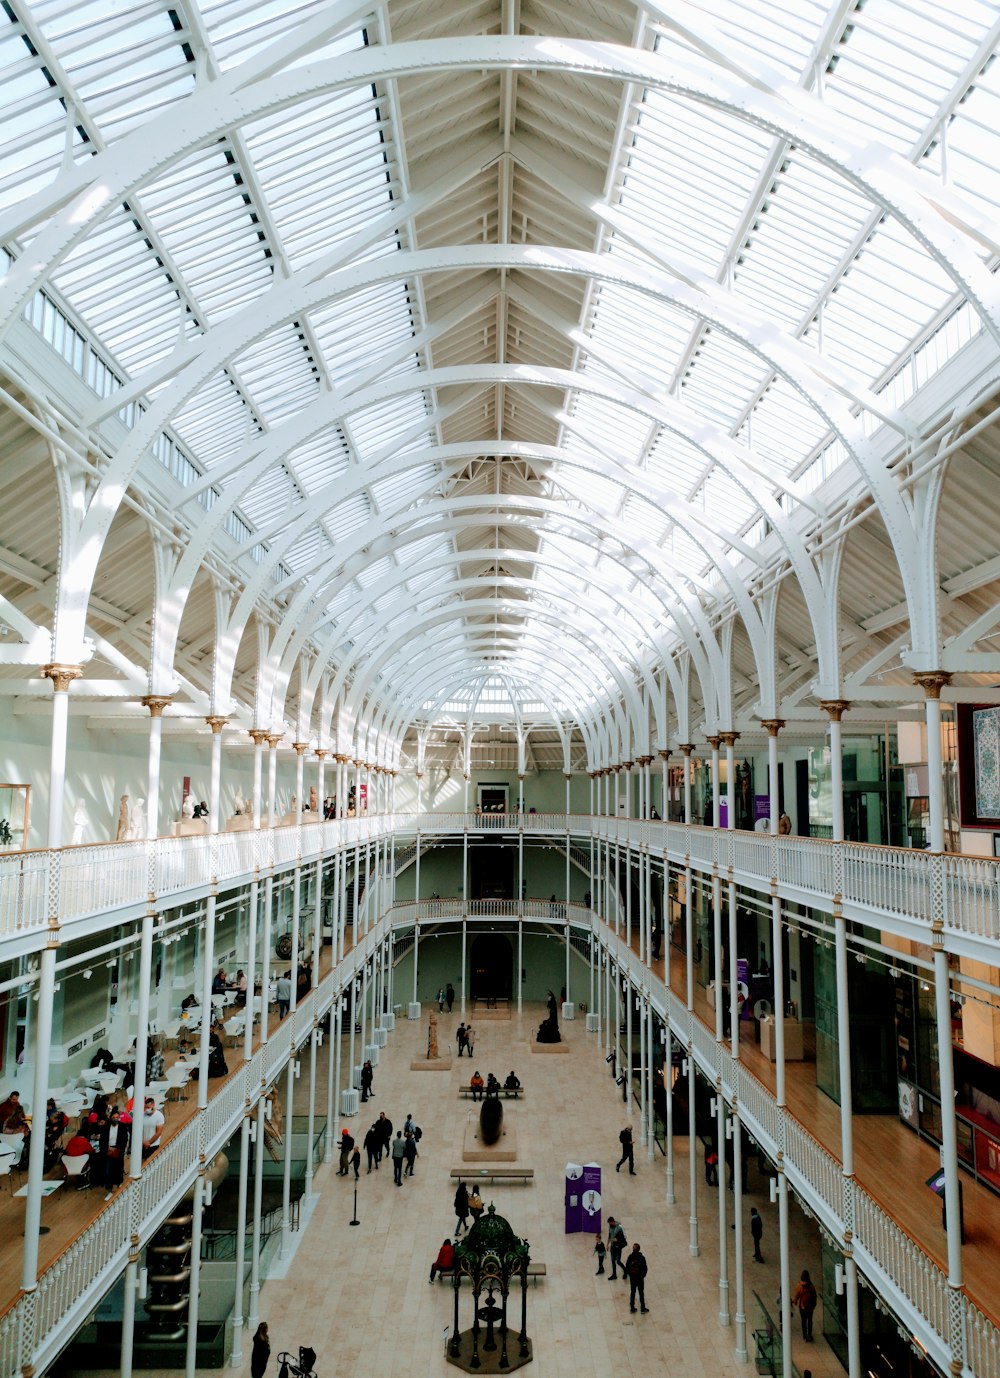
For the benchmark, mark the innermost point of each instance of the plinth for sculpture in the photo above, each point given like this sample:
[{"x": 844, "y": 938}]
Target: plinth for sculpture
[{"x": 433, "y": 1062}]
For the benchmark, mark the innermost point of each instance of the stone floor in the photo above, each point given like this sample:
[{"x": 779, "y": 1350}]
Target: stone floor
[{"x": 360, "y": 1297}]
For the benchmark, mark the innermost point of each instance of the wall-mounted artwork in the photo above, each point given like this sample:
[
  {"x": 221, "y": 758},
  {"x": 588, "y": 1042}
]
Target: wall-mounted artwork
[{"x": 979, "y": 764}]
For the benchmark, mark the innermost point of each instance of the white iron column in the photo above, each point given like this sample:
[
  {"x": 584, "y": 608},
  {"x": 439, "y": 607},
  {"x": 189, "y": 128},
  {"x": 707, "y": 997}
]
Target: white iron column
[
  {"x": 729, "y": 739},
  {"x": 668, "y": 1058},
  {"x": 253, "y": 918},
  {"x": 778, "y": 967},
  {"x": 716, "y": 811},
  {"x": 286, "y": 1180},
  {"x": 258, "y": 736},
  {"x": 720, "y": 1104},
  {"x": 693, "y": 1247},
  {"x": 835, "y": 709},
  {"x": 145, "y": 983},
  {"x": 62, "y": 677},
  {"x": 156, "y": 704},
  {"x": 253, "y": 1308},
  {"x": 207, "y": 972},
  {"x": 737, "y": 1129},
  {"x": 847, "y": 1139},
  {"x": 773, "y": 726},
  {"x": 932, "y": 682},
  {"x": 272, "y": 777},
  {"x": 686, "y": 749},
  {"x": 216, "y": 723}
]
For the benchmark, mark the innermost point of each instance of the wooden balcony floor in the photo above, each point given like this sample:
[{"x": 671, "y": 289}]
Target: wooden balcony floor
[
  {"x": 890, "y": 1161},
  {"x": 69, "y": 1211}
]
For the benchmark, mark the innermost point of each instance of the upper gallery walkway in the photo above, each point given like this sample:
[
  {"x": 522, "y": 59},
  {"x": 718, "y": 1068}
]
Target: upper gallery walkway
[{"x": 921, "y": 896}]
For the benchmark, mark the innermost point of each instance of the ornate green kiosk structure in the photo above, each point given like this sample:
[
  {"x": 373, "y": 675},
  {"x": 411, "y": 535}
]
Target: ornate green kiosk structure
[{"x": 491, "y": 1256}]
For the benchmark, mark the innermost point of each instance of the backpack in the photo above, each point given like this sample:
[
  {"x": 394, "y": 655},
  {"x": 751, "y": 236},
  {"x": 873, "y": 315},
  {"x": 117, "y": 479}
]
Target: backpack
[
  {"x": 619, "y": 1237},
  {"x": 418, "y": 1133},
  {"x": 624, "y": 1138}
]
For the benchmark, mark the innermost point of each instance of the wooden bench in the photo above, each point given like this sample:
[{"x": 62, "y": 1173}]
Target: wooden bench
[
  {"x": 518, "y": 1094},
  {"x": 496, "y": 1173},
  {"x": 535, "y": 1271}
]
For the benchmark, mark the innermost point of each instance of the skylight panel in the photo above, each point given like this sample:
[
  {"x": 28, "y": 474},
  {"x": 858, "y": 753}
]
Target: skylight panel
[
  {"x": 240, "y": 28},
  {"x": 375, "y": 428},
  {"x": 784, "y": 426},
  {"x": 675, "y": 462},
  {"x": 348, "y": 516},
  {"x": 213, "y": 423},
  {"x": 278, "y": 373},
  {"x": 355, "y": 332},
  {"x": 722, "y": 378},
  {"x": 319, "y": 460},
  {"x": 615, "y": 429},
  {"x": 309, "y": 548},
  {"x": 974, "y": 142},
  {"x": 393, "y": 494},
  {"x": 783, "y": 32}
]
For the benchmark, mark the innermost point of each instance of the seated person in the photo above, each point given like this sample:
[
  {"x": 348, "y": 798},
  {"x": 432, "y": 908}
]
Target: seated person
[
  {"x": 220, "y": 983},
  {"x": 492, "y": 1085},
  {"x": 189, "y": 1002},
  {"x": 476, "y": 1082},
  {"x": 55, "y": 1123},
  {"x": 445, "y": 1259},
  {"x": 79, "y": 1145},
  {"x": 17, "y": 1123},
  {"x": 7, "y": 1108},
  {"x": 512, "y": 1083}
]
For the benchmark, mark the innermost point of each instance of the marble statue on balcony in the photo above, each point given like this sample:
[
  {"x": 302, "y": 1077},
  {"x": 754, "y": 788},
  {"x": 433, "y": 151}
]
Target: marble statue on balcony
[
  {"x": 312, "y": 799},
  {"x": 137, "y": 821},
  {"x": 187, "y": 808},
  {"x": 81, "y": 822},
  {"x": 122, "y": 833}
]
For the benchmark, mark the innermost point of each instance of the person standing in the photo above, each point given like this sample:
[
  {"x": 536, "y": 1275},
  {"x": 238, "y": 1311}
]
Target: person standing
[
  {"x": 440, "y": 999},
  {"x": 371, "y": 1145},
  {"x": 356, "y": 1163},
  {"x": 449, "y": 995},
  {"x": 711, "y": 1164},
  {"x": 628, "y": 1151},
  {"x": 616, "y": 1242},
  {"x": 805, "y": 1298},
  {"x": 600, "y": 1251},
  {"x": 114, "y": 1145},
  {"x": 398, "y": 1158},
  {"x": 460, "y": 1039},
  {"x": 151, "y": 1126},
  {"x": 383, "y": 1126},
  {"x": 410, "y": 1152},
  {"x": 283, "y": 994},
  {"x": 367, "y": 1076},
  {"x": 475, "y": 1205},
  {"x": 756, "y": 1233},
  {"x": 346, "y": 1145},
  {"x": 261, "y": 1353},
  {"x": 636, "y": 1270},
  {"x": 462, "y": 1208}
]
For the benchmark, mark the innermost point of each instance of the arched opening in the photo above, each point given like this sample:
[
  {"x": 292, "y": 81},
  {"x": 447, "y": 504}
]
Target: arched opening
[{"x": 491, "y": 967}]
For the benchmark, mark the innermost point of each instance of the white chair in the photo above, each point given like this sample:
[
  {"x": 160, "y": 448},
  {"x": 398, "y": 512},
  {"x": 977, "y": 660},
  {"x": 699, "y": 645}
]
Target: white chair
[
  {"x": 6, "y": 1163},
  {"x": 234, "y": 1027},
  {"x": 13, "y": 1143},
  {"x": 77, "y": 1169},
  {"x": 177, "y": 1078},
  {"x": 108, "y": 1082}
]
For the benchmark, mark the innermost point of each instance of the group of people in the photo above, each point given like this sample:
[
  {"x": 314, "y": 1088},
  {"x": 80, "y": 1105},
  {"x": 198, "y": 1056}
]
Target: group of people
[
  {"x": 464, "y": 1039},
  {"x": 491, "y": 1086},
  {"x": 379, "y": 1143},
  {"x": 633, "y": 1268},
  {"x": 445, "y": 996}
]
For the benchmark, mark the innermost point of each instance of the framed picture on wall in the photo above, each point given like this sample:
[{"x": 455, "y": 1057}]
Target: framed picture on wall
[
  {"x": 996, "y": 844},
  {"x": 979, "y": 764}
]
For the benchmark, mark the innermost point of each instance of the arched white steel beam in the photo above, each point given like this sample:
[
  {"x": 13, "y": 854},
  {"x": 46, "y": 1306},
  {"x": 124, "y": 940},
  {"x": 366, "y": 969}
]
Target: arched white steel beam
[
  {"x": 485, "y": 607},
  {"x": 688, "y": 616},
  {"x": 85, "y": 194},
  {"x": 891, "y": 183}
]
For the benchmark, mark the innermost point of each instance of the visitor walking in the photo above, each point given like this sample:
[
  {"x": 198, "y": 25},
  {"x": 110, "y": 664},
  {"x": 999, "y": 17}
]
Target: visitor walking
[
  {"x": 367, "y": 1077},
  {"x": 346, "y": 1147},
  {"x": 460, "y": 1040},
  {"x": 628, "y": 1151},
  {"x": 805, "y": 1298},
  {"x": 449, "y": 995},
  {"x": 600, "y": 1250},
  {"x": 616, "y": 1243},
  {"x": 410, "y": 1152},
  {"x": 384, "y": 1127},
  {"x": 461, "y": 1208},
  {"x": 261, "y": 1353},
  {"x": 636, "y": 1270},
  {"x": 371, "y": 1143},
  {"x": 756, "y": 1233},
  {"x": 398, "y": 1158}
]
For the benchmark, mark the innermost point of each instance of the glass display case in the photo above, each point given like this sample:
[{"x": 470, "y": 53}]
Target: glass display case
[{"x": 15, "y": 811}]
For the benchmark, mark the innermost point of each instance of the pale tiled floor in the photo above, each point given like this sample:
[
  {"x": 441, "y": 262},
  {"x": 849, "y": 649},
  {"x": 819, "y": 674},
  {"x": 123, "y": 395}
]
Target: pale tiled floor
[{"x": 361, "y": 1298}]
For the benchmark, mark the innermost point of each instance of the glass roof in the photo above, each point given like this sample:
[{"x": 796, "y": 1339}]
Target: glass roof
[{"x": 389, "y": 354}]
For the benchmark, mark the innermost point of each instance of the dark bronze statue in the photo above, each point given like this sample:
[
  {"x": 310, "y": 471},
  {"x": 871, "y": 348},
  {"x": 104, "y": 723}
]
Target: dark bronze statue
[
  {"x": 548, "y": 1030},
  {"x": 491, "y": 1120}
]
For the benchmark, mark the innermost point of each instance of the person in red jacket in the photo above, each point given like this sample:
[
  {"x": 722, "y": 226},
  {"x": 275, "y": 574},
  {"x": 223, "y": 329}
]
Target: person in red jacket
[
  {"x": 79, "y": 1145},
  {"x": 444, "y": 1261}
]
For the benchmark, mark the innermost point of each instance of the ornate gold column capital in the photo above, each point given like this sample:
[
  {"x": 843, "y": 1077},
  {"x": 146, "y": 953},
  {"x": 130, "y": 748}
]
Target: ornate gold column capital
[
  {"x": 772, "y": 726},
  {"x": 568, "y": 774},
  {"x": 932, "y": 681},
  {"x": 273, "y": 738},
  {"x": 835, "y": 708},
  {"x": 664, "y": 755},
  {"x": 627, "y": 765},
  {"x": 685, "y": 748},
  {"x": 729, "y": 738},
  {"x": 300, "y": 748},
  {"x": 258, "y": 735},
  {"x": 216, "y": 722},
  {"x": 714, "y": 742},
  {"x": 321, "y": 752},
  {"x": 156, "y": 703},
  {"x": 62, "y": 676}
]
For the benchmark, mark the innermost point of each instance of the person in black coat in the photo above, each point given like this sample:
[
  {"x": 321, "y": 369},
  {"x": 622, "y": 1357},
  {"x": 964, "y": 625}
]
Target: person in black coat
[
  {"x": 462, "y": 1208},
  {"x": 636, "y": 1270},
  {"x": 113, "y": 1146},
  {"x": 628, "y": 1150},
  {"x": 261, "y": 1354}
]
